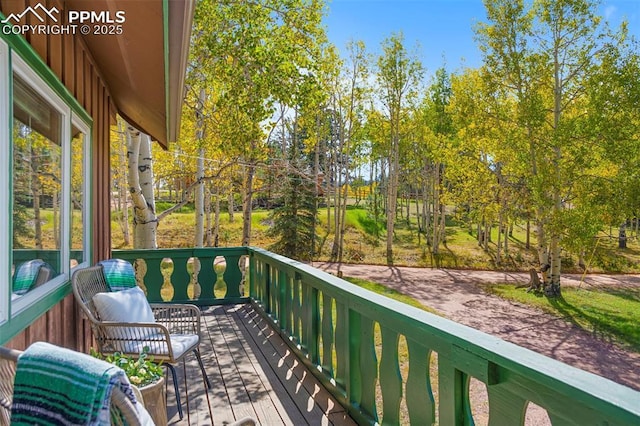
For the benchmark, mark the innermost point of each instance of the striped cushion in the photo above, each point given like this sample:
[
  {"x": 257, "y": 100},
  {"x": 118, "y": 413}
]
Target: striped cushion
[
  {"x": 119, "y": 274},
  {"x": 26, "y": 275}
]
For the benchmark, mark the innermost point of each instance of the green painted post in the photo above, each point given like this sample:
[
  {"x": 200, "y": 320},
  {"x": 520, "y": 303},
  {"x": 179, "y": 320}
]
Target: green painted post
[
  {"x": 505, "y": 408},
  {"x": 451, "y": 382}
]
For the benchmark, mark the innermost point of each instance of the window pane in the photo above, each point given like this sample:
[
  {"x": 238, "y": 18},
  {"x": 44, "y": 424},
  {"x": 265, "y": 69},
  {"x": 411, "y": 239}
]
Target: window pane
[
  {"x": 77, "y": 196},
  {"x": 37, "y": 176}
]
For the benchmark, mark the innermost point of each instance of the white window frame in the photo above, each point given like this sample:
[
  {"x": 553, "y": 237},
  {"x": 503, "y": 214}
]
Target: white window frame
[
  {"x": 5, "y": 179},
  {"x": 86, "y": 167},
  {"x": 28, "y": 75}
]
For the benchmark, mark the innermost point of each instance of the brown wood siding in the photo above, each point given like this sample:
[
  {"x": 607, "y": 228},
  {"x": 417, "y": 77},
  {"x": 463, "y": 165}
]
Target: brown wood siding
[{"x": 71, "y": 61}]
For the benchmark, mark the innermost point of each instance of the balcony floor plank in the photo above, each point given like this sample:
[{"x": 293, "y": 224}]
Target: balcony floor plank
[{"x": 253, "y": 373}]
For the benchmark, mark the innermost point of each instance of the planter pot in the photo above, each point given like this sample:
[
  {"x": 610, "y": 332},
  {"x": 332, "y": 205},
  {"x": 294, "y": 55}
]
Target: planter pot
[{"x": 154, "y": 398}]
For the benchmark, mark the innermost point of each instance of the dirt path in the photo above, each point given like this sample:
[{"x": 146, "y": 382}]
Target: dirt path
[{"x": 456, "y": 295}]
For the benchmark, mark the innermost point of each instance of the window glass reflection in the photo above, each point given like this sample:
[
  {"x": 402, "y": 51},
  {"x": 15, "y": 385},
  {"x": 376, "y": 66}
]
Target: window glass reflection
[{"x": 37, "y": 184}]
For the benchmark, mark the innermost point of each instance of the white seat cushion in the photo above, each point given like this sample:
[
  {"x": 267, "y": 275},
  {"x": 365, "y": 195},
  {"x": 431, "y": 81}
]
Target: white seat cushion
[
  {"x": 129, "y": 305},
  {"x": 180, "y": 343}
]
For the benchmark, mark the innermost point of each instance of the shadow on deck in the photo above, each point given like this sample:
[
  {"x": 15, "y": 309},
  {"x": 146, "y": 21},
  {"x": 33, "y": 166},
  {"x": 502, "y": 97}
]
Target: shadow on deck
[{"x": 253, "y": 373}]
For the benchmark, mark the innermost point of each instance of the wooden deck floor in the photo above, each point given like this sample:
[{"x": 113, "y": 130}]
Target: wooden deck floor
[{"x": 253, "y": 373}]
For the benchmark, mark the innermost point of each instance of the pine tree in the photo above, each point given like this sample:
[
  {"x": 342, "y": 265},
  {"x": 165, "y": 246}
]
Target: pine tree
[{"x": 294, "y": 218}]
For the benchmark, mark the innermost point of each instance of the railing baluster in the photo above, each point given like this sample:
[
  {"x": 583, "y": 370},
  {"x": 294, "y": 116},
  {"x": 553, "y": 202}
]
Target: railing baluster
[
  {"x": 255, "y": 277},
  {"x": 296, "y": 309},
  {"x": 232, "y": 276},
  {"x": 275, "y": 294},
  {"x": 390, "y": 377},
  {"x": 180, "y": 278},
  {"x": 311, "y": 322},
  {"x": 273, "y": 290},
  {"x": 327, "y": 334},
  {"x": 420, "y": 403},
  {"x": 342, "y": 347},
  {"x": 153, "y": 279},
  {"x": 282, "y": 300},
  {"x": 207, "y": 277},
  {"x": 368, "y": 363},
  {"x": 266, "y": 296},
  {"x": 287, "y": 281}
]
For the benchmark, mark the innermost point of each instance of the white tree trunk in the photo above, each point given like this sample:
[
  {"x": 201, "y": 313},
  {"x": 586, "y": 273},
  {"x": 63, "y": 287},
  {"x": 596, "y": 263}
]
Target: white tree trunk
[
  {"x": 543, "y": 251},
  {"x": 199, "y": 200},
  {"x": 247, "y": 204},
  {"x": 231, "y": 205},
  {"x": 145, "y": 222},
  {"x": 435, "y": 246},
  {"x": 392, "y": 191},
  {"x": 199, "y": 190},
  {"x": 216, "y": 219},
  {"x": 122, "y": 185},
  {"x": 499, "y": 242},
  {"x": 207, "y": 216}
]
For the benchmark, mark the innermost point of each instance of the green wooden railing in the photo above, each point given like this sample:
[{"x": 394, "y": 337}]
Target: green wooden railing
[
  {"x": 203, "y": 276},
  {"x": 378, "y": 356}
]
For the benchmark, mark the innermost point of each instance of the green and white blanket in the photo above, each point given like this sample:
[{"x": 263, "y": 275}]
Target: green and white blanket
[{"x": 57, "y": 386}]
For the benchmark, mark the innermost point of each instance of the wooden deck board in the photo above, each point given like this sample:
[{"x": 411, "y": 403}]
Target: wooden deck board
[
  {"x": 288, "y": 365},
  {"x": 252, "y": 373},
  {"x": 254, "y": 385}
]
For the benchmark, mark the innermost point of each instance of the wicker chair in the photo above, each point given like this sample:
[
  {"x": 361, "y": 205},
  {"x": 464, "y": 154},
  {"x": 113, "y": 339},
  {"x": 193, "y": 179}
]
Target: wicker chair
[
  {"x": 175, "y": 333},
  {"x": 8, "y": 361}
]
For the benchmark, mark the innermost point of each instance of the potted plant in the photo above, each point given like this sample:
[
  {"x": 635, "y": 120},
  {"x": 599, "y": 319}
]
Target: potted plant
[{"x": 146, "y": 376}]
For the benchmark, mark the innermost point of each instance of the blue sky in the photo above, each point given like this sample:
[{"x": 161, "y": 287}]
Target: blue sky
[{"x": 438, "y": 27}]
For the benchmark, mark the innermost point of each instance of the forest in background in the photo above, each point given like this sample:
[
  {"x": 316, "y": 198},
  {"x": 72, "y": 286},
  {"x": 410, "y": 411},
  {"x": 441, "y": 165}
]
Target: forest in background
[{"x": 538, "y": 147}]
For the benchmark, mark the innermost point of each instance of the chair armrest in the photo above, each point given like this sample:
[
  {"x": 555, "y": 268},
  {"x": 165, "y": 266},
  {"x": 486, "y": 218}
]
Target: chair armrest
[{"x": 178, "y": 318}]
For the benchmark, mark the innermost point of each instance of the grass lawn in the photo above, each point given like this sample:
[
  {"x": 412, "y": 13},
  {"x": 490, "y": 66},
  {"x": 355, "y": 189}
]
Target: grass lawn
[
  {"x": 607, "y": 312},
  {"x": 390, "y": 293},
  {"x": 365, "y": 242}
]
